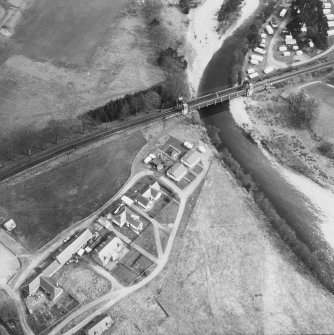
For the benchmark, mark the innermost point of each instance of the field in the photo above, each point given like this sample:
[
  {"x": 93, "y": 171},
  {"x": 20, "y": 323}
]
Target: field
[
  {"x": 66, "y": 31},
  {"x": 8, "y": 314},
  {"x": 325, "y": 120},
  {"x": 82, "y": 282},
  {"x": 228, "y": 274},
  {"x": 46, "y": 204},
  {"x": 67, "y": 57}
]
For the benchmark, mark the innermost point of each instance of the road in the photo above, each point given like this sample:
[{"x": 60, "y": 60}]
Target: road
[{"x": 113, "y": 297}]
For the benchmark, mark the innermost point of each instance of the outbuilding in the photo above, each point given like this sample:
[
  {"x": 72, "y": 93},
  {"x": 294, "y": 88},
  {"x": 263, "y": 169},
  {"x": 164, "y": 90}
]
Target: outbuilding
[{"x": 177, "y": 172}]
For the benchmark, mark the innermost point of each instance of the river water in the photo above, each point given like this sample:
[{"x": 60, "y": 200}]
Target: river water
[{"x": 289, "y": 203}]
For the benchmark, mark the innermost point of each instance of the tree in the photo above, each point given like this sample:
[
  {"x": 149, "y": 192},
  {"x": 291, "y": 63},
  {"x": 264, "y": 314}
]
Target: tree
[
  {"x": 152, "y": 10},
  {"x": 310, "y": 13},
  {"x": 56, "y": 127},
  {"x": 26, "y": 140},
  {"x": 7, "y": 149},
  {"x": 303, "y": 110},
  {"x": 124, "y": 112},
  {"x": 185, "y": 6},
  {"x": 160, "y": 37},
  {"x": 151, "y": 100}
]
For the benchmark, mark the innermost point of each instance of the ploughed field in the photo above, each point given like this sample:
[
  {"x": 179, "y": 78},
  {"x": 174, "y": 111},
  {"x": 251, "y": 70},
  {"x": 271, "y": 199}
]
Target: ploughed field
[{"x": 45, "y": 205}]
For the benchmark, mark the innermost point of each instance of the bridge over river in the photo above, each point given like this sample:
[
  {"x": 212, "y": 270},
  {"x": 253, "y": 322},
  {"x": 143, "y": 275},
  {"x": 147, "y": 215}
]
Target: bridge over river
[
  {"x": 195, "y": 104},
  {"x": 259, "y": 85}
]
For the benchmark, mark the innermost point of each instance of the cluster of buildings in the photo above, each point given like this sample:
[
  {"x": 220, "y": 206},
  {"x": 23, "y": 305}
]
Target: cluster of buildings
[
  {"x": 180, "y": 168},
  {"x": 85, "y": 241}
]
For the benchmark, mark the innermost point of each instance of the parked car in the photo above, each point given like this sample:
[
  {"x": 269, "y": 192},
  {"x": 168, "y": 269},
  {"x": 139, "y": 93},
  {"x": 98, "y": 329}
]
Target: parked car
[{"x": 273, "y": 23}]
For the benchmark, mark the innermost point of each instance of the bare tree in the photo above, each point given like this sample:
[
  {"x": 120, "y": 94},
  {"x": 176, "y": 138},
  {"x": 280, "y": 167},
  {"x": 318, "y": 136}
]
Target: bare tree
[{"x": 26, "y": 138}]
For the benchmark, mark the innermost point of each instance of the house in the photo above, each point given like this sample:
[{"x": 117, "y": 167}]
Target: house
[
  {"x": 191, "y": 158},
  {"x": 50, "y": 287},
  {"x": 128, "y": 218},
  {"x": 74, "y": 246},
  {"x": 10, "y": 225},
  {"x": 150, "y": 195},
  {"x": 99, "y": 325},
  {"x": 177, "y": 172},
  {"x": 109, "y": 249}
]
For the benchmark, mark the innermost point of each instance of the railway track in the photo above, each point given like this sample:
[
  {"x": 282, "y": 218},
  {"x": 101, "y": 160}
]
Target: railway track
[
  {"x": 203, "y": 101},
  {"x": 79, "y": 143}
]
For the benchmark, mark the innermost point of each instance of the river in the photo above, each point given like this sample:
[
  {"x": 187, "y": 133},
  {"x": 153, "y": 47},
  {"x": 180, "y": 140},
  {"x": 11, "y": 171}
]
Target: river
[{"x": 288, "y": 201}]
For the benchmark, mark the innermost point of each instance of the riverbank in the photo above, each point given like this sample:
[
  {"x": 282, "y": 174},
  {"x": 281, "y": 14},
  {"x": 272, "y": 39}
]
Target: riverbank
[
  {"x": 227, "y": 273},
  {"x": 321, "y": 198},
  {"x": 203, "y": 38}
]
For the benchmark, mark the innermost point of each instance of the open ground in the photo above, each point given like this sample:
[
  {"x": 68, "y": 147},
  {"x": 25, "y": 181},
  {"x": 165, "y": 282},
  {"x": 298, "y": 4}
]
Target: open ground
[
  {"x": 46, "y": 204},
  {"x": 69, "y": 56},
  {"x": 228, "y": 273}
]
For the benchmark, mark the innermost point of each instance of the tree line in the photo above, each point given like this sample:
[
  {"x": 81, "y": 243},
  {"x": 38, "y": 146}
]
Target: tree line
[
  {"x": 310, "y": 13},
  {"x": 167, "y": 57},
  {"x": 229, "y": 11}
]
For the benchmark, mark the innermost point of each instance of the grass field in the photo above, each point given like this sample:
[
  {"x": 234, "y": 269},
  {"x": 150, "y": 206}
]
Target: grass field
[
  {"x": 45, "y": 205},
  {"x": 228, "y": 274},
  {"x": 66, "y": 31},
  {"x": 324, "y": 123}
]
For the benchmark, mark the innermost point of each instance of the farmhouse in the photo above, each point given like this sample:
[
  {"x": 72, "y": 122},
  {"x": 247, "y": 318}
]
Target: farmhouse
[
  {"x": 109, "y": 249},
  {"x": 150, "y": 195},
  {"x": 33, "y": 284},
  {"x": 177, "y": 172},
  {"x": 191, "y": 158},
  {"x": 99, "y": 325}
]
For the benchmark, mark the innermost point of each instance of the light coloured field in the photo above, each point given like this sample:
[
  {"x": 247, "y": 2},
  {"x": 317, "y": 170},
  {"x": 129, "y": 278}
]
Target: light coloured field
[
  {"x": 9, "y": 264},
  {"x": 229, "y": 273}
]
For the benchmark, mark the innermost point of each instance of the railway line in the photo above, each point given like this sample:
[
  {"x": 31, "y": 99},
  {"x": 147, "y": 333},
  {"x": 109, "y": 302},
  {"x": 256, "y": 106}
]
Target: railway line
[{"x": 195, "y": 104}]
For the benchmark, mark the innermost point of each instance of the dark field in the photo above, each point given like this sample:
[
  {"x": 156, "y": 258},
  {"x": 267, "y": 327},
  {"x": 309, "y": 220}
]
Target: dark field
[
  {"x": 66, "y": 31},
  {"x": 45, "y": 205}
]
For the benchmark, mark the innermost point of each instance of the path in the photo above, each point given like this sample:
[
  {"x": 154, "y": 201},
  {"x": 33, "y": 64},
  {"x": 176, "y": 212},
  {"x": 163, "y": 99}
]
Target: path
[{"x": 113, "y": 297}]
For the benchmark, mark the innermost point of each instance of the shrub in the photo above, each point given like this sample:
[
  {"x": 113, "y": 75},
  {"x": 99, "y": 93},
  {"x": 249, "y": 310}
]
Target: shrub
[
  {"x": 327, "y": 149},
  {"x": 303, "y": 110}
]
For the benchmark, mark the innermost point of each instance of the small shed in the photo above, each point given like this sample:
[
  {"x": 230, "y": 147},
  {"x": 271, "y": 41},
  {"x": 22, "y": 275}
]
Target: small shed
[{"x": 10, "y": 225}]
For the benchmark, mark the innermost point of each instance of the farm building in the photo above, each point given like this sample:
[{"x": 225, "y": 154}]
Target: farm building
[
  {"x": 99, "y": 325},
  {"x": 74, "y": 246},
  {"x": 191, "y": 158},
  {"x": 109, "y": 249},
  {"x": 177, "y": 172},
  {"x": 33, "y": 284}
]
